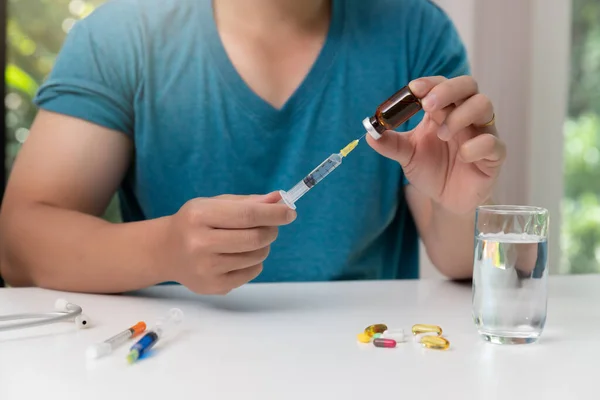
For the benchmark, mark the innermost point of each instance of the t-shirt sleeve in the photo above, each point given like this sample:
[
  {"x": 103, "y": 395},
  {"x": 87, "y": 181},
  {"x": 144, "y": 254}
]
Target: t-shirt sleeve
[
  {"x": 96, "y": 75},
  {"x": 437, "y": 49}
]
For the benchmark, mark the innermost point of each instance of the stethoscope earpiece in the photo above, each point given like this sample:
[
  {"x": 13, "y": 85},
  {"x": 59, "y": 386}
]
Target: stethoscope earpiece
[
  {"x": 65, "y": 311},
  {"x": 61, "y": 305},
  {"x": 82, "y": 321}
]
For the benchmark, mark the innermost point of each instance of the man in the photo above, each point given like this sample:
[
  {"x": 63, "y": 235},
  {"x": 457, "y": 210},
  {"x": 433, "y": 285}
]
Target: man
[{"x": 198, "y": 112}]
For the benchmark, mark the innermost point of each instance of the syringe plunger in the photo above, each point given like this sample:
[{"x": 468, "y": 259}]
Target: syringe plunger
[{"x": 291, "y": 196}]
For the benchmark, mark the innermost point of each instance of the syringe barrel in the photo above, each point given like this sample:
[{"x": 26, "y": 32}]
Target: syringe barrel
[
  {"x": 324, "y": 169},
  {"x": 317, "y": 175},
  {"x": 120, "y": 338},
  {"x": 297, "y": 191}
]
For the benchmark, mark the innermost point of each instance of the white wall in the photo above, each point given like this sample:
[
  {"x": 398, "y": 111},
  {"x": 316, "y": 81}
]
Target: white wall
[{"x": 519, "y": 52}]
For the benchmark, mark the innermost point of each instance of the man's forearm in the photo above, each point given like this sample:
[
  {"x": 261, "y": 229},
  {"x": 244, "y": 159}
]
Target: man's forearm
[
  {"x": 65, "y": 250},
  {"x": 449, "y": 242},
  {"x": 448, "y": 237}
]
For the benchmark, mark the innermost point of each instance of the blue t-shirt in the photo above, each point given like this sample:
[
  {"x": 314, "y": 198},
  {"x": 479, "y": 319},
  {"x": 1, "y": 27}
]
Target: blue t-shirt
[{"x": 157, "y": 71}]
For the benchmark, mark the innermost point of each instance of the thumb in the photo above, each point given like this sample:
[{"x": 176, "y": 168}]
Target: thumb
[
  {"x": 398, "y": 146},
  {"x": 272, "y": 197}
]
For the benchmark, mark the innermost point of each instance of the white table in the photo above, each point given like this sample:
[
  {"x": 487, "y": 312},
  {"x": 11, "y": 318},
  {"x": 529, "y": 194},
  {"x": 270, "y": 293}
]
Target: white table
[{"x": 298, "y": 341}]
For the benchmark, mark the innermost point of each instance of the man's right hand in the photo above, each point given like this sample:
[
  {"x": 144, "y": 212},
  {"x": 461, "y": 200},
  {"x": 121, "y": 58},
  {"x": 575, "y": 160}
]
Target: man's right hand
[
  {"x": 61, "y": 183},
  {"x": 218, "y": 244}
]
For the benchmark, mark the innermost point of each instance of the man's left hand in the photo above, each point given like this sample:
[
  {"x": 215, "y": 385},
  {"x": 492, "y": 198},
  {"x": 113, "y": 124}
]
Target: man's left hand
[{"x": 454, "y": 155}]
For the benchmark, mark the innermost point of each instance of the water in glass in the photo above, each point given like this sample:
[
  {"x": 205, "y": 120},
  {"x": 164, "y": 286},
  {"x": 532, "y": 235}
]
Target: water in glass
[{"x": 509, "y": 286}]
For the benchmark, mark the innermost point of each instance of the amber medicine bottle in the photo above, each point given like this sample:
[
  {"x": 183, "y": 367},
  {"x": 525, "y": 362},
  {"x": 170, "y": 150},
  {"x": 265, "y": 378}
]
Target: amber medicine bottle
[{"x": 392, "y": 113}]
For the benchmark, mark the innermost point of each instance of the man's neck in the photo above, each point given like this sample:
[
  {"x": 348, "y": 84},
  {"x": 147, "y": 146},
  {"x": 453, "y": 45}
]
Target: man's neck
[{"x": 276, "y": 15}]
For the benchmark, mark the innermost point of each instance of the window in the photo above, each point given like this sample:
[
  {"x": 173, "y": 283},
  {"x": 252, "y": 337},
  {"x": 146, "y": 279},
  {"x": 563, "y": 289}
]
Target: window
[
  {"x": 581, "y": 202},
  {"x": 35, "y": 33}
]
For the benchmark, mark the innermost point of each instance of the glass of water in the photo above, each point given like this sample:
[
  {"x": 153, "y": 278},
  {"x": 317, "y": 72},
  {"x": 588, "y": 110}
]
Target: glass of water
[{"x": 510, "y": 273}]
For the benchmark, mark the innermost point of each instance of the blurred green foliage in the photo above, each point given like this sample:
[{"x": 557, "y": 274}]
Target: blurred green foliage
[
  {"x": 37, "y": 28},
  {"x": 581, "y": 203},
  {"x": 585, "y": 59}
]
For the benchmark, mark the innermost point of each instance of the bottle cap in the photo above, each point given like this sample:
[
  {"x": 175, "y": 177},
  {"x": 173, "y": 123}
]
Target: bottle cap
[{"x": 371, "y": 129}]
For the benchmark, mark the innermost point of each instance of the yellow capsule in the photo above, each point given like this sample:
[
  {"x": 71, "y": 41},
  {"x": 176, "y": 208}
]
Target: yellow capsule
[
  {"x": 425, "y": 328},
  {"x": 377, "y": 328},
  {"x": 435, "y": 342},
  {"x": 363, "y": 337}
]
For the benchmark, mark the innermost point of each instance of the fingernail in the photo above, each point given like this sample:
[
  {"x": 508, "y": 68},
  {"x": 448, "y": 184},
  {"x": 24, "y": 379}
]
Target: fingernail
[
  {"x": 417, "y": 86},
  {"x": 291, "y": 215},
  {"x": 444, "y": 132},
  {"x": 429, "y": 102}
]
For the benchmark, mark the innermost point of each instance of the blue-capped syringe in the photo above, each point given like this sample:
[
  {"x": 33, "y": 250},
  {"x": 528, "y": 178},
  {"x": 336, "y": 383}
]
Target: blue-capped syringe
[
  {"x": 317, "y": 175},
  {"x": 162, "y": 327}
]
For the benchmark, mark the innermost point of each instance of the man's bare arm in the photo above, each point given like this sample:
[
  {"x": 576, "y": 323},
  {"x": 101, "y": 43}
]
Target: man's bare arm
[
  {"x": 52, "y": 233},
  {"x": 448, "y": 238}
]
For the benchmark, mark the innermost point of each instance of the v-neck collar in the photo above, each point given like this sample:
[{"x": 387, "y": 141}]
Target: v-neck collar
[{"x": 317, "y": 75}]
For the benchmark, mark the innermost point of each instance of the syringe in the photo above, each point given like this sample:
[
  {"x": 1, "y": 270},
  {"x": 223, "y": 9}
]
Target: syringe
[
  {"x": 104, "y": 348},
  {"x": 390, "y": 114},
  {"x": 317, "y": 175},
  {"x": 162, "y": 327}
]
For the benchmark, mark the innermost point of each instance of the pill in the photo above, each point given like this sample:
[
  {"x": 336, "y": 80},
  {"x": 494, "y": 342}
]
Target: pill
[
  {"x": 377, "y": 328},
  {"x": 425, "y": 328},
  {"x": 377, "y": 335},
  {"x": 435, "y": 342},
  {"x": 363, "y": 337},
  {"x": 384, "y": 342},
  {"x": 396, "y": 334}
]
